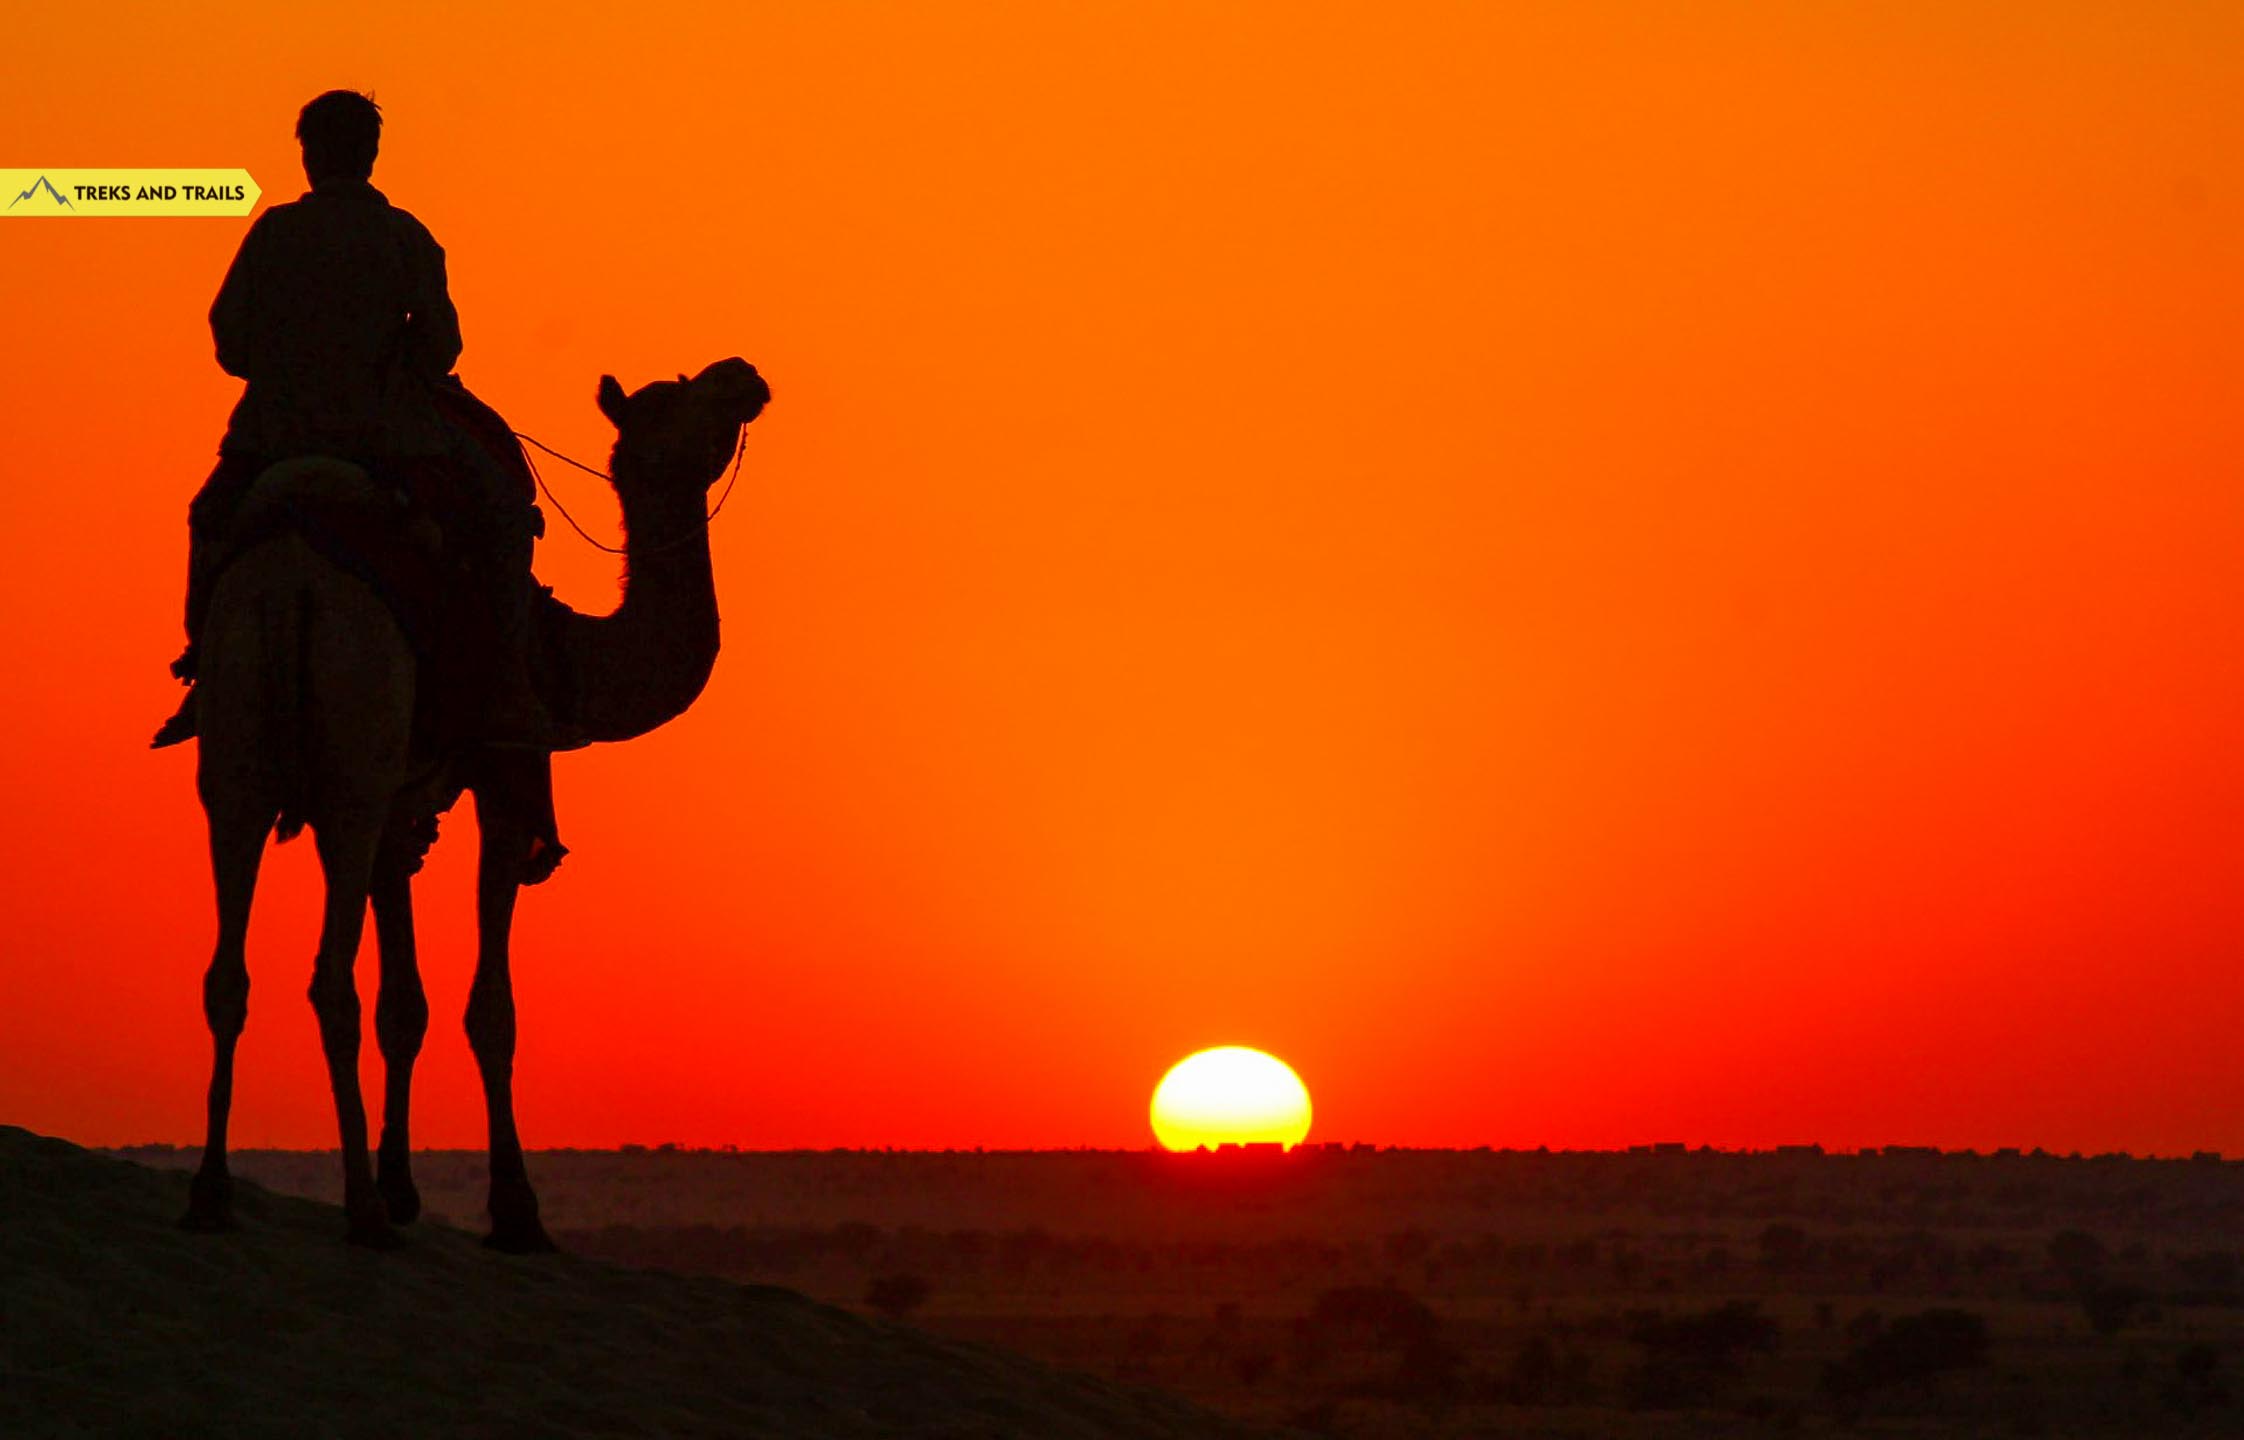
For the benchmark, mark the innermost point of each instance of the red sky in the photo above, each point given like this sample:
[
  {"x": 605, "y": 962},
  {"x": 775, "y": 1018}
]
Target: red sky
[{"x": 1581, "y": 574}]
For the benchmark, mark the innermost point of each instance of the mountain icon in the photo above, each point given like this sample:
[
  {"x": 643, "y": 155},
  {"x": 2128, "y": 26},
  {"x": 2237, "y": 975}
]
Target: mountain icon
[{"x": 42, "y": 183}]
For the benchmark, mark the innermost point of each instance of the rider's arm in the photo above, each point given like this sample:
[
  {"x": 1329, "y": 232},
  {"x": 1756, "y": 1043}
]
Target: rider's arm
[
  {"x": 233, "y": 315},
  {"x": 432, "y": 325}
]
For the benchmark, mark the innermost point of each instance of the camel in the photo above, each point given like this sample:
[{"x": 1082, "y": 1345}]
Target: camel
[{"x": 306, "y": 696}]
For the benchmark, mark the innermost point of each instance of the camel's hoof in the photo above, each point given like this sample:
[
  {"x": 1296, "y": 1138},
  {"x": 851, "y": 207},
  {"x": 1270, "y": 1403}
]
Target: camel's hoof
[
  {"x": 369, "y": 1219},
  {"x": 374, "y": 1234},
  {"x": 515, "y": 1226},
  {"x": 399, "y": 1197},
  {"x": 521, "y": 1237},
  {"x": 210, "y": 1205}
]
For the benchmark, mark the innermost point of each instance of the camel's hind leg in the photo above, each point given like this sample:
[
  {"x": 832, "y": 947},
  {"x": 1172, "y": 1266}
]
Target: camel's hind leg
[
  {"x": 237, "y": 845},
  {"x": 346, "y": 855},
  {"x": 401, "y": 1019}
]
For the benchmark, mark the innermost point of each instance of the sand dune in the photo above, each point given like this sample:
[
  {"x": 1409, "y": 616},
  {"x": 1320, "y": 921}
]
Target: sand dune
[{"x": 114, "y": 1322}]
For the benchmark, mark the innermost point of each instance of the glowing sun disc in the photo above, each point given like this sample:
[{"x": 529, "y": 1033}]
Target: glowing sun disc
[{"x": 1230, "y": 1096}]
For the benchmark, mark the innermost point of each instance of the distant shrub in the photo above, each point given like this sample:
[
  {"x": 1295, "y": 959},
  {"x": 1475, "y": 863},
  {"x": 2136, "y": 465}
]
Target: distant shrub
[
  {"x": 2076, "y": 1252},
  {"x": 897, "y": 1296},
  {"x": 1719, "y": 1337},
  {"x": 1692, "y": 1359},
  {"x": 1020, "y": 1249},
  {"x": 1409, "y": 1247},
  {"x": 2211, "y": 1273},
  {"x": 2196, "y": 1365},
  {"x": 855, "y": 1239},
  {"x": 1378, "y": 1314},
  {"x": 1911, "y": 1347},
  {"x": 1534, "y": 1371},
  {"x": 1384, "y": 1317},
  {"x": 1427, "y": 1370},
  {"x": 1541, "y": 1373},
  {"x": 2195, "y": 1383},
  {"x": 2109, "y": 1308},
  {"x": 1784, "y": 1247}
]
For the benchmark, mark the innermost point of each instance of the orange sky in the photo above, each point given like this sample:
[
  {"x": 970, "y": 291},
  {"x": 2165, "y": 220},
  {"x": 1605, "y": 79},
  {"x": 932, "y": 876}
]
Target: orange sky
[{"x": 1582, "y": 574}]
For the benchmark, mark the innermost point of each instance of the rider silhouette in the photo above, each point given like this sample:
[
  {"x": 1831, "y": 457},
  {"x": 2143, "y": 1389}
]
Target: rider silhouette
[{"x": 337, "y": 314}]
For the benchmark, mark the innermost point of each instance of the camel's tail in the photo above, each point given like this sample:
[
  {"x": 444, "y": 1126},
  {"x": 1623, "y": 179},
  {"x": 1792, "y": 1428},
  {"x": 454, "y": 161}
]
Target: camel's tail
[{"x": 288, "y": 708}]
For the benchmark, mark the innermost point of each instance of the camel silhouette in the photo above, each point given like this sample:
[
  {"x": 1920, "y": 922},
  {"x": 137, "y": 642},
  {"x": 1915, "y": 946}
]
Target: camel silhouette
[{"x": 307, "y": 695}]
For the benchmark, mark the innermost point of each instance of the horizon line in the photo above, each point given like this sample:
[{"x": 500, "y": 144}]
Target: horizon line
[{"x": 1272, "y": 1149}]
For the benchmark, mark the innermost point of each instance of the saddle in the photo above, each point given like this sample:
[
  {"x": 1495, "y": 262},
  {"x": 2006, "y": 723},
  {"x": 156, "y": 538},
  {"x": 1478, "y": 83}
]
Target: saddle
[
  {"x": 373, "y": 528},
  {"x": 399, "y": 528},
  {"x": 408, "y": 528}
]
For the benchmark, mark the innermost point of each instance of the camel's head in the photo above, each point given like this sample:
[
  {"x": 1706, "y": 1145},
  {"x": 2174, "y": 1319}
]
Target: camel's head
[{"x": 682, "y": 431}]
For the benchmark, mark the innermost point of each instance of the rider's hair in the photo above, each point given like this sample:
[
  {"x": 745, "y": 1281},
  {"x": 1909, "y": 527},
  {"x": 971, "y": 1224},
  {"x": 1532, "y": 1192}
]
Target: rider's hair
[{"x": 340, "y": 131}]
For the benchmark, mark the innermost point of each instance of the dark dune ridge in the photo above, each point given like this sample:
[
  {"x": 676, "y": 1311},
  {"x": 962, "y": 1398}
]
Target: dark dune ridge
[{"x": 115, "y": 1322}]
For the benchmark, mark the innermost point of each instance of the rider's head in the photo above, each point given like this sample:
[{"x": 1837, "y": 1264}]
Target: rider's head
[{"x": 340, "y": 132}]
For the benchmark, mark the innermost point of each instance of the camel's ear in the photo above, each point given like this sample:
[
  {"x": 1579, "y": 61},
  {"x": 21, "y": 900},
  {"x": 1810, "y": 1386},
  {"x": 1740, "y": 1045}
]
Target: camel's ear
[{"x": 611, "y": 400}]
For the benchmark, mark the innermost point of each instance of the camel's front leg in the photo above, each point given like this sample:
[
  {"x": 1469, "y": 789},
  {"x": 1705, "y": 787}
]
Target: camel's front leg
[
  {"x": 237, "y": 844},
  {"x": 401, "y": 1019},
  {"x": 515, "y": 1226},
  {"x": 346, "y": 855}
]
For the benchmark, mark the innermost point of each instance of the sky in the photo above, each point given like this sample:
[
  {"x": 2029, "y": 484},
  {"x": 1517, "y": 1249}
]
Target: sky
[{"x": 1582, "y": 574}]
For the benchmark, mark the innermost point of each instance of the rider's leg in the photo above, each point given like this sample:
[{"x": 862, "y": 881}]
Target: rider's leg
[
  {"x": 208, "y": 515},
  {"x": 514, "y": 714}
]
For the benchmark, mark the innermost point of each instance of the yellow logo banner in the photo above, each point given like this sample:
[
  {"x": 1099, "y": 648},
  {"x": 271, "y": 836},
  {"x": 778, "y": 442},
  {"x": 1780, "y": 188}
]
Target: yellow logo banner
[{"x": 126, "y": 192}]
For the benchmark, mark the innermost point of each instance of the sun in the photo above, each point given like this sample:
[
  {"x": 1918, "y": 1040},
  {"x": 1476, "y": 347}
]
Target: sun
[{"x": 1230, "y": 1096}]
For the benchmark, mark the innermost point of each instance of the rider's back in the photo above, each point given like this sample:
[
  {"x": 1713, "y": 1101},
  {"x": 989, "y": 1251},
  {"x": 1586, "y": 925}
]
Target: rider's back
[{"x": 336, "y": 312}]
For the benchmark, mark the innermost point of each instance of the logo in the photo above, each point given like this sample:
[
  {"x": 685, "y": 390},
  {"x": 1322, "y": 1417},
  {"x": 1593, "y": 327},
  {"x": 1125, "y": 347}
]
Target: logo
[
  {"x": 127, "y": 192},
  {"x": 42, "y": 183}
]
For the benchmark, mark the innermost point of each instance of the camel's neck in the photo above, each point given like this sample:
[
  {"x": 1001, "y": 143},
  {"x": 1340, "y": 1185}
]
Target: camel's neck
[{"x": 644, "y": 664}]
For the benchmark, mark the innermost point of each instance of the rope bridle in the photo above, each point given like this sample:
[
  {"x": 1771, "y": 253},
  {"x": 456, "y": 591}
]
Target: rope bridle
[{"x": 739, "y": 449}]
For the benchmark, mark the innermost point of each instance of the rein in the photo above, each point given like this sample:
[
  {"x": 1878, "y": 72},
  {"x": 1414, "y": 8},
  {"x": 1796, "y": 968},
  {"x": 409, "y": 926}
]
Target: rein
[{"x": 739, "y": 450}]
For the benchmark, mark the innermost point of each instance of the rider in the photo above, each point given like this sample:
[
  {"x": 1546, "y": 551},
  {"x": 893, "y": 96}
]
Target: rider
[{"x": 336, "y": 313}]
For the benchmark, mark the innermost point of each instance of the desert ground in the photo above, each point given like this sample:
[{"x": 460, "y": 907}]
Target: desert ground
[
  {"x": 1364, "y": 1292},
  {"x": 113, "y": 1322}
]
